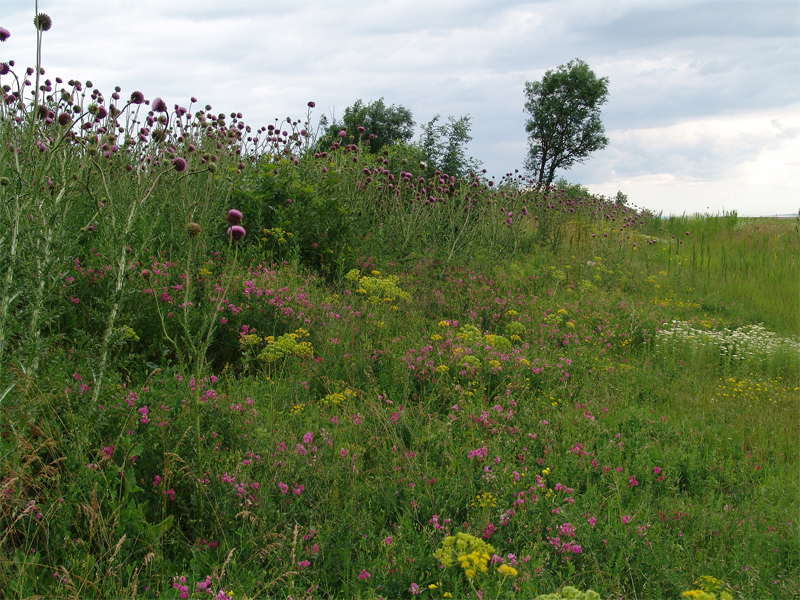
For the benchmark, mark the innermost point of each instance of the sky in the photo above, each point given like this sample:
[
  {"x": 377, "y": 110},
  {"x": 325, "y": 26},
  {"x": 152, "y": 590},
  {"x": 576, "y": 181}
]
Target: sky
[{"x": 703, "y": 112}]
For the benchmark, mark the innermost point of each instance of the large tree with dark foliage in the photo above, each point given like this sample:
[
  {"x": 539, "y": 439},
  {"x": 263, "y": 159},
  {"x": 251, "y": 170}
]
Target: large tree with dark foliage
[
  {"x": 383, "y": 125},
  {"x": 565, "y": 125}
]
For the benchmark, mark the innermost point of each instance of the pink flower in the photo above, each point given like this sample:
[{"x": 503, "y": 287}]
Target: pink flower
[
  {"x": 626, "y": 519},
  {"x": 308, "y": 438},
  {"x": 414, "y": 589},
  {"x": 283, "y": 488},
  {"x": 364, "y": 574},
  {"x": 299, "y": 489},
  {"x": 632, "y": 481},
  {"x": 343, "y": 452},
  {"x": 657, "y": 470},
  {"x": 388, "y": 541}
]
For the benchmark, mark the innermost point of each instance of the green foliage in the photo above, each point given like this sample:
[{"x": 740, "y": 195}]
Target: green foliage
[
  {"x": 383, "y": 125},
  {"x": 444, "y": 146},
  {"x": 565, "y": 125}
]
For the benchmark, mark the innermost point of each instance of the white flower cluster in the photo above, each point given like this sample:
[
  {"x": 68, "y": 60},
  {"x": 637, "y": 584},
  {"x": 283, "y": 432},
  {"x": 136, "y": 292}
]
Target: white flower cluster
[{"x": 749, "y": 341}]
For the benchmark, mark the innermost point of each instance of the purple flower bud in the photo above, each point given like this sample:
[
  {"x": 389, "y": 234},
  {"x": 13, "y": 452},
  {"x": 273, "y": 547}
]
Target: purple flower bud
[
  {"x": 159, "y": 105},
  {"x": 4, "y": 34},
  {"x": 64, "y": 118},
  {"x": 193, "y": 99},
  {"x": 236, "y": 232},
  {"x": 361, "y": 130},
  {"x": 102, "y": 113},
  {"x": 342, "y": 133},
  {"x": 179, "y": 164},
  {"x": 310, "y": 104},
  {"x": 241, "y": 166},
  {"x": 29, "y": 71},
  {"x": 4, "y": 68},
  {"x": 137, "y": 97},
  {"x": 288, "y": 201},
  {"x": 234, "y": 217},
  {"x": 191, "y": 148}
]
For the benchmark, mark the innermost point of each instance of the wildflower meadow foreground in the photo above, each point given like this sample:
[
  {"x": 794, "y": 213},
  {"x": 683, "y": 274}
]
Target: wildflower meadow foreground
[{"x": 240, "y": 362}]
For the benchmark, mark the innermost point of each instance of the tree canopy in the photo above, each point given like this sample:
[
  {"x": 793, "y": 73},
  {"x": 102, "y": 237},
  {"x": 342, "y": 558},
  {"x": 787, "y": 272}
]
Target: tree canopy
[
  {"x": 565, "y": 125},
  {"x": 382, "y": 125}
]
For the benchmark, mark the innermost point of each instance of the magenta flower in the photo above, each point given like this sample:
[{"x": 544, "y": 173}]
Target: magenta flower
[
  {"x": 626, "y": 519},
  {"x": 137, "y": 97},
  {"x": 361, "y": 130},
  {"x": 179, "y": 164},
  {"x": 159, "y": 105},
  {"x": 310, "y": 104},
  {"x": 234, "y": 217},
  {"x": 4, "y": 34},
  {"x": 414, "y": 589},
  {"x": 4, "y": 68},
  {"x": 657, "y": 470},
  {"x": 388, "y": 541},
  {"x": 632, "y": 481},
  {"x": 236, "y": 232},
  {"x": 364, "y": 574},
  {"x": 308, "y": 437},
  {"x": 283, "y": 488},
  {"x": 63, "y": 118},
  {"x": 342, "y": 133}
]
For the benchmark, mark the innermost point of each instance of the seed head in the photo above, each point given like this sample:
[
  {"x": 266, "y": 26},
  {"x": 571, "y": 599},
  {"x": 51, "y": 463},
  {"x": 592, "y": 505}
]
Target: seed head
[
  {"x": 193, "y": 229},
  {"x": 179, "y": 164},
  {"x": 42, "y": 22},
  {"x": 236, "y": 232},
  {"x": 137, "y": 97},
  {"x": 234, "y": 217},
  {"x": 4, "y": 34},
  {"x": 159, "y": 105}
]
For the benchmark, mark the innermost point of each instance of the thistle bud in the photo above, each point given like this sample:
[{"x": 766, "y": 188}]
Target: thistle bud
[
  {"x": 42, "y": 22},
  {"x": 193, "y": 229}
]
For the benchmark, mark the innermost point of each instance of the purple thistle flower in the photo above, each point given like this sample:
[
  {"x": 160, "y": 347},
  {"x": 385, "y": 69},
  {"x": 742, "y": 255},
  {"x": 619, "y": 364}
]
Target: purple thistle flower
[
  {"x": 342, "y": 133},
  {"x": 236, "y": 232},
  {"x": 137, "y": 97},
  {"x": 4, "y": 34},
  {"x": 241, "y": 166},
  {"x": 159, "y": 105},
  {"x": 179, "y": 164},
  {"x": 234, "y": 217},
  {"x": 193, "y": 100},
  {"x": 64, "y": 118},
  {"x": 361, "y": 129},
  {"x": 102, "y": 113},
  {"x": 4, "y": 68},
  {"x": 310, "y": 104},
  {"x": 42, "y": 22}
]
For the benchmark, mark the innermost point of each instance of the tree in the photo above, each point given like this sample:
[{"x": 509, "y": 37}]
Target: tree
[
  {"x": 565, "y": 125},
  {"x": 383, "y": 125},
  {"x": 445, "y": 145}
]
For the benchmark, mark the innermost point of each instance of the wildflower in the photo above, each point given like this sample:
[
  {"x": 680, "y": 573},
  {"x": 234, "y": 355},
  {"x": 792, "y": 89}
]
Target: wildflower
[
  {"x": 388, "y": 541},
  {"x": 159, "y": 105},
  {"x": 312, "y": 104},
  {"x": 179, "y": 164},
  {"x": 234, "y": 217},
  {"x": 632, "y": 481},
  {"x": 414, "y": 589},
  {"x": 137, "y": 97},
  {"x": 237, "y": 232},
  {"x": 364, "y": 574},
  {"x": 42, "y": 22},
  {"x": 657, "y": 470},
  {"x": 626, "y": 519},
  {"x": 308, "y": 437},
  {"x": 342, "y": 133},
  {"x": 4, "y": 34},
  {"x": 283, "y": 488},
  {"x": 506, "y": 571}
]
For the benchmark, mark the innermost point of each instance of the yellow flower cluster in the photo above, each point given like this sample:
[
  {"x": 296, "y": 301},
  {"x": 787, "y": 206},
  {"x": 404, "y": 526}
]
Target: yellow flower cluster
[
  {"x": 507, "y": 571},
  {"x": 378, "y": 289},
  {"x": 709, "y": 587},
  {"x": 285, "y": 346},
  {"x": 472, "y": 554},
  {"x": 337, "y": 398},
  {"x": 485, "y": 499},
  {"x": 497, "y": 342}
]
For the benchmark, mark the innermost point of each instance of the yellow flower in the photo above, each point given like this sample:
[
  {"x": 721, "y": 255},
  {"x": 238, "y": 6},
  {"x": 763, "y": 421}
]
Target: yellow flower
[
  {"x": 444, "y": 324},
  {"x": 507, "y": 571},
  {"x": 442, "y": 369},
  {"x": 448, "y": 595},
  {"x": 432, "y": 586}
]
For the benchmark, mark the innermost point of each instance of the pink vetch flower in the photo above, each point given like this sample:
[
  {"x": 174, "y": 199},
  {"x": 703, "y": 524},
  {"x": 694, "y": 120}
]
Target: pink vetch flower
[
  {"x": 388, "y": 541},
  {"x": 343, "y": 452},
  {"x": 632, "y": 481},
  {"x": 657, "y": 470},
  {"x": 626, "y": 519},
  {"x": 234, "y": 217},
  {"x": 591, "y": 520},
  {"x": 414, "y": 589},
  {"x": 308, "y": 437},
  {"x": 179, "y": 164},
  {"x": 283, "y": 488},
  {"x": 299, "y": 490},
  {"x": 364, "y": 574},
  {"x": 236, "y": 232}
]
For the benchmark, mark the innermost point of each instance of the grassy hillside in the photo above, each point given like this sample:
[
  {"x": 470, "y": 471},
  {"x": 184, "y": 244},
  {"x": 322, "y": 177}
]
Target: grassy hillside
[{"x": 387, "y": 382}]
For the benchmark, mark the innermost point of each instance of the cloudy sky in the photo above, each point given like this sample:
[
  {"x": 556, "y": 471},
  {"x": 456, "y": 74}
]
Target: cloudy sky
[{"x": 704, "y": 97}]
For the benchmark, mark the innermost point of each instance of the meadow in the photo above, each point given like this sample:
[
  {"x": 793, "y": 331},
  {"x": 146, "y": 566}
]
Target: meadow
[{"x": 234, "y": 362}]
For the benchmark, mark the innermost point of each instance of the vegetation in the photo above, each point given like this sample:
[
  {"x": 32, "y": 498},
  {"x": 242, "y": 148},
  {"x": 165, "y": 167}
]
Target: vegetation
[
  {"x": 565, "y": 125},
  {"x": 235, "y": 364}
]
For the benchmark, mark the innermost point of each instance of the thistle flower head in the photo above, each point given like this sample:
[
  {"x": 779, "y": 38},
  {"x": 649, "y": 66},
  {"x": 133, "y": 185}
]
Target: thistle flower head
[
  {"x": 193, "y": 229},
  {"x": 43, "y": 22},
  {"x": 236, "y": 232},
  {"x": 137, "y": 97},
  {"x": 234, "y": 217},
  {"x": 64, "y": 118},
  {"x": 342, "y": 133},
  {"x": 179, "y": 164},
  {"x": 4, "y": 34},
  {"x": 159, "y": 105},
  {"x": 310, "y": 104}
]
